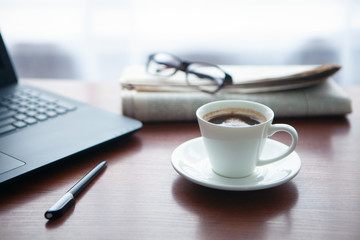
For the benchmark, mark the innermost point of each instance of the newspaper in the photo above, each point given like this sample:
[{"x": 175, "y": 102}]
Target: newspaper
[
  {"x": 323, "y": 99},
  {"x": 246, "y": 79}
]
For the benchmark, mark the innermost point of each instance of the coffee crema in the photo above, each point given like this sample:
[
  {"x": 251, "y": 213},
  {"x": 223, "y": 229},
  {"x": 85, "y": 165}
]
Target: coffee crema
[{"x": 235, "y": 117}]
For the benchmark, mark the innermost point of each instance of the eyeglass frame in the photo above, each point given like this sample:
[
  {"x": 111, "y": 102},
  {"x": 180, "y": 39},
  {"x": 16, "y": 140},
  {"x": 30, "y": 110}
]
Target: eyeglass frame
[{"x": 227, "y": 80}]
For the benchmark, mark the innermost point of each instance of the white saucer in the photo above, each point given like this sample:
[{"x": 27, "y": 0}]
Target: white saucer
[{"x": 190, "y": 160}]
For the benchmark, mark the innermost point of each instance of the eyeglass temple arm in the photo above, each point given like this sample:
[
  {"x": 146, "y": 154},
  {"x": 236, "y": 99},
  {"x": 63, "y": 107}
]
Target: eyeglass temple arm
[{"x": 226, "y": 81}]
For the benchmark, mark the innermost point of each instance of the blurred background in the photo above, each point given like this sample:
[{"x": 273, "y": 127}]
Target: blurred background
[{"x": 94, "y": 40}]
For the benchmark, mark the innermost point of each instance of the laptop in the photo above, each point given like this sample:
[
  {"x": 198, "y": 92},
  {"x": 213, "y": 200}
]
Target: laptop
[{"x": 38, "y": 128}]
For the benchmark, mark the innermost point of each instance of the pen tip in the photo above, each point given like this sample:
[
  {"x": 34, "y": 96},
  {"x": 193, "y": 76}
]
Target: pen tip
[{"x": 48, "y": 215}]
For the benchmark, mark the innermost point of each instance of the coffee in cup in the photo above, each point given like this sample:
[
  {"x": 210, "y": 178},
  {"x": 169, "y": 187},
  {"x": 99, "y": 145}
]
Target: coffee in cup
[{"x": 235, "y": 117}]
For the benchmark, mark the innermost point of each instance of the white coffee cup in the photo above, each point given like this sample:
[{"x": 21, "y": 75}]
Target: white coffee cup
[{"x": 234, "y": 151}]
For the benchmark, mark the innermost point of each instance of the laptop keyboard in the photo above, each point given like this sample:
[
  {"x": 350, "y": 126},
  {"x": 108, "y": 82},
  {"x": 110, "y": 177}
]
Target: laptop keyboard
[{"x": 27, "y": 107}]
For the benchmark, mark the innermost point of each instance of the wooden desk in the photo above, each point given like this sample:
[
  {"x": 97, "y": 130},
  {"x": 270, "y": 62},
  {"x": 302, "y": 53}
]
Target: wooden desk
[{"x": 140, "y": 196}]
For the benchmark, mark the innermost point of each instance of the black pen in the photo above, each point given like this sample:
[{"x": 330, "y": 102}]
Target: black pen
[{"x": 64, "y": 203}]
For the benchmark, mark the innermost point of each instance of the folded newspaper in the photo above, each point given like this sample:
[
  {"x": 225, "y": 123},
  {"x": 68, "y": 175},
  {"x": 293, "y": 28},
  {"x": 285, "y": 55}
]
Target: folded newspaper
[{"x": 291, "y": 91}]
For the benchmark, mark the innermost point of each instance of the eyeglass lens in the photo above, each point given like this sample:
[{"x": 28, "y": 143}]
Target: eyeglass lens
[
  {"x": 204, "y": 76},
  {"x": 163, "y": 64}
]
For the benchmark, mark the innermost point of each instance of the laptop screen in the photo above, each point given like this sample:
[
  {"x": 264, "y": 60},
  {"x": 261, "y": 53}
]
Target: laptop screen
[{"x": 7, "y": 74}]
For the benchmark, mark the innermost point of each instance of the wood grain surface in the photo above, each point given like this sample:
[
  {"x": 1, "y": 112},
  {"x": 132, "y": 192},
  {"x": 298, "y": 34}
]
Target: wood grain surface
[{"x": 140, "y": 196}]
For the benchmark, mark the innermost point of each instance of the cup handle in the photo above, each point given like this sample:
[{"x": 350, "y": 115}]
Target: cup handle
[{"x": 285, "y": 128}]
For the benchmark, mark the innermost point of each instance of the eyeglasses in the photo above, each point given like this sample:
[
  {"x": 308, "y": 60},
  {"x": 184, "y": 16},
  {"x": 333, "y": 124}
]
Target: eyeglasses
[{"x": 205, "y": 77}]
